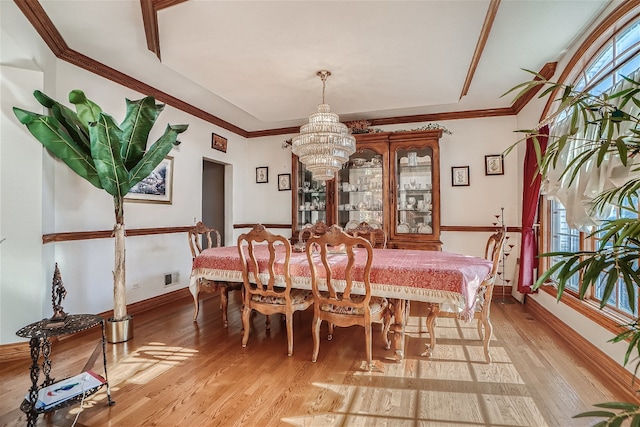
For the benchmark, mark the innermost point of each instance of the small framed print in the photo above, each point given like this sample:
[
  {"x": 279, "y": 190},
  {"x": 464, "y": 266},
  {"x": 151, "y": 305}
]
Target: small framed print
[
  {"x": 219, "y": 142},
  {"x": 262, "y": 174},
  {"x": 494, "y": 164},
  {"x": 284, "y": 181},
  {"x": 460, "y": 176},
  {"x": 157, "y": 187}
]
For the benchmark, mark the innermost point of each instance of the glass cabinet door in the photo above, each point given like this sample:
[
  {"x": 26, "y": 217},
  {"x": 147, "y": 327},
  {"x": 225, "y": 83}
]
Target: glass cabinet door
[
  {"x": 311, "y": 198},
  {"x": 414, "y": 185},
  {"x": 360, "y": 190}
]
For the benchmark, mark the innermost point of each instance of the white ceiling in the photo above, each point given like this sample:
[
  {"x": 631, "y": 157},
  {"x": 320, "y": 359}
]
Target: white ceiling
[{"x": 254, "y": 63}]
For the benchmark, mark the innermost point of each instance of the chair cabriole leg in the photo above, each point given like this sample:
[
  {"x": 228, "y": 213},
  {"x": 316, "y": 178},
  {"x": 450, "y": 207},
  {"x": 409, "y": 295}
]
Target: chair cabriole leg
[
  {"x": 196, "y": 302},
  {"x": 224, "y": 303},
  {"x": 289, "y": 320},
  {"x": 488, "y": 331},
  {"x": 367, "y": 339},
  {"x": 315, "y": 329},
  {"x": 246, "y": 314}
]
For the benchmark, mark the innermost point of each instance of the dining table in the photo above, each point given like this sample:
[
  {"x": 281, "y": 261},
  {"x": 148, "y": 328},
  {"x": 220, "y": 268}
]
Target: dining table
[{"x": 401, "y": 275}]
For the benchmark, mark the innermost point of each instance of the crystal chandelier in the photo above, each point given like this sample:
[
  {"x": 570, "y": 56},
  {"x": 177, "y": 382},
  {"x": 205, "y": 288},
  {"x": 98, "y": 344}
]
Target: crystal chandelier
[{"x": 324, "y": 144}]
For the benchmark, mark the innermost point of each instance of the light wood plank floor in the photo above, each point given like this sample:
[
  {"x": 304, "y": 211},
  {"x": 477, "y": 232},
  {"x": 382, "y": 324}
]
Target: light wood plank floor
[{"x": 179, "y": 373}]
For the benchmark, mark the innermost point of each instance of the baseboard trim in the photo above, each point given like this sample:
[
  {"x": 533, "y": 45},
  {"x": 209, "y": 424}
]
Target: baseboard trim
[
  {"x": 618, "y": 376},
  {"x": 21, "y": 351},
  {"x": 152, "y": 303}
]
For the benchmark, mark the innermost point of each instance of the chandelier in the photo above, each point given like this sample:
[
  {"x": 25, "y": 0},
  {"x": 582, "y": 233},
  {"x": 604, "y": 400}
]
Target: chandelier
[{"x": 324, "y": 144}]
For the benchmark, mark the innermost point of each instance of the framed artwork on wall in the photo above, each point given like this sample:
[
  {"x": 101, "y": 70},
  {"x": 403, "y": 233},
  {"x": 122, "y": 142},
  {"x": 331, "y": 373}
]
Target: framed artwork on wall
[
  {"x": 219, "y": 142},
  {"x": 157, "y": 187},
  {"x": 494, "y": 164},
  {"x": 284, "y": 181},
  {"x": 460, "y": 176},
  {"x": 262, "y": 174}
]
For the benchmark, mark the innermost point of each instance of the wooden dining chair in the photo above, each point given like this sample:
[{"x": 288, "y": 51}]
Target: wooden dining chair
[
  {"x": 373, "y": 232},
  {"x": 482, "y": 307},
  {"x": 200, "y": 237},
  {"x": 271, "y": 292},
  {"x": 339, "y": 305},
  {"x": 317, "y": 229}
]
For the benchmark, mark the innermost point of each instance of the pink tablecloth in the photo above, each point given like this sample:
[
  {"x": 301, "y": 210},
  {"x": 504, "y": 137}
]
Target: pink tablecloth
[{"x": 429, "y": 276}]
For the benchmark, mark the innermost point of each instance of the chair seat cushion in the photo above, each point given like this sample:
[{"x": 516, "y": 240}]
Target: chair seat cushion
[
  {"x": 377, "y": 304},
  {"x": 297, "y": 296}
]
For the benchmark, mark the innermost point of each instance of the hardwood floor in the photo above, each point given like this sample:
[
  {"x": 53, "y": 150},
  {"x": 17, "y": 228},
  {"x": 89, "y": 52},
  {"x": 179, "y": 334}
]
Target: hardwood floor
[{"x": 179, "y": 373}]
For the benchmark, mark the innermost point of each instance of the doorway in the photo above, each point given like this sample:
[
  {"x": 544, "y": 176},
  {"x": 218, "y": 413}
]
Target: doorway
[{"x": 213, "y": 196}]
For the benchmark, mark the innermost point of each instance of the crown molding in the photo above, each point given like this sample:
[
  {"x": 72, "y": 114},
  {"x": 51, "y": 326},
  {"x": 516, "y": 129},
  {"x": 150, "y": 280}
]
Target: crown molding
[{"x": 41, "y": 22}]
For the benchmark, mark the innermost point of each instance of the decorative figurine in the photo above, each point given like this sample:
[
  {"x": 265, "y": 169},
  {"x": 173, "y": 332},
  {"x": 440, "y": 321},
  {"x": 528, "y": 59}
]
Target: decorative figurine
[{"x": 58, "y": 293}]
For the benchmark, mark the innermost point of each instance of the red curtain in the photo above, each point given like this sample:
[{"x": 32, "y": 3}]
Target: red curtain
[{"x": 530, "y": 198}]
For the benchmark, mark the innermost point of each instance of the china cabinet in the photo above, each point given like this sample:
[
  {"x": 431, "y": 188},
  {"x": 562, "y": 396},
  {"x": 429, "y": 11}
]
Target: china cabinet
[
  {"x": 311, "y": 200},
  {"x": 392, "y": 180}
]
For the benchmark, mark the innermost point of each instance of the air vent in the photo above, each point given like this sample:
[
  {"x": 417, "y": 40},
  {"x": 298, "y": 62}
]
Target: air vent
[{"x": 171, "y": 279}]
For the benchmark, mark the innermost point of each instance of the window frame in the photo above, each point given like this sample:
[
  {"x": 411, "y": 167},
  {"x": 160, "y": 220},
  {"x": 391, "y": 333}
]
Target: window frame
[
  {"x": 603, "y": 38},
  {"x": 606, "y": 317}
]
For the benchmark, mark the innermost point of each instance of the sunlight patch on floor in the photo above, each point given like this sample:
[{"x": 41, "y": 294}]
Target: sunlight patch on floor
[
  {"x": 419, "y": 391},
  {"x": 148, "y": 362}
]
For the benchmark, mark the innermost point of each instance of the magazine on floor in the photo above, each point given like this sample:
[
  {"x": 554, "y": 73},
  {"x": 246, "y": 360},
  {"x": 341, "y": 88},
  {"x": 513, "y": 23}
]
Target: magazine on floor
[{"x": 66, "y": 389}]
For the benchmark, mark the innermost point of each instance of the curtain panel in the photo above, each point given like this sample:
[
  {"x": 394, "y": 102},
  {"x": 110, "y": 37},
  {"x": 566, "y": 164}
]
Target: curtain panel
[
  {"x": 530, "y": 199},
  {"x": 577, "y": 197}
]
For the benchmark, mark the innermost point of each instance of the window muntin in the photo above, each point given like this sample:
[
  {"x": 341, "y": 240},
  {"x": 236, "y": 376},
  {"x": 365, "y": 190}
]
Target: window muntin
[
  {"x": 563, "y": 238},
  {"x": 619, "y": 299}
]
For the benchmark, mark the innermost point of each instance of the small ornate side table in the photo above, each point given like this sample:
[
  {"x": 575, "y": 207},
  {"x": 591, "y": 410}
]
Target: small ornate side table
[{"x": 39, "y": 334}]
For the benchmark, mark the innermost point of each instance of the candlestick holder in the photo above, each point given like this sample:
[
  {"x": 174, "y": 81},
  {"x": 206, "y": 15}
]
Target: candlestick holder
[{"x": 503, "y": 299}]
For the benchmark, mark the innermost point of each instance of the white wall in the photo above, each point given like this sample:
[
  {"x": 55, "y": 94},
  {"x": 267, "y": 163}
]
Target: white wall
[
  {"x": 20, "y": 207},
  {"x": 265, "y": 204}
]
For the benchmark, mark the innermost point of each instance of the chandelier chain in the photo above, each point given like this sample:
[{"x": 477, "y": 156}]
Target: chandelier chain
[{"x": 323, "y": 74}]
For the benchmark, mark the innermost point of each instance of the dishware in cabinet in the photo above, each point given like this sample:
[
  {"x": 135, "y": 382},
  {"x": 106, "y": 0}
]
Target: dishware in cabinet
[
  {"x": 311, "y": 199},
  {"x": 415, "y": 183},
  {"x": 361, "y": 186},
  {"x": 371, "y": 187}
]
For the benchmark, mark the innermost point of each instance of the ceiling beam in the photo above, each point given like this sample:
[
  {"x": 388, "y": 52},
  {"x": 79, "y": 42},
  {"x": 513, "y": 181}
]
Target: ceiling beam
[
  {"x": 482, "y": 41},
  {"x": 36, "y": 15},
  {"x": 150, "y": 10},
  {"x": 40, "y": 21}
]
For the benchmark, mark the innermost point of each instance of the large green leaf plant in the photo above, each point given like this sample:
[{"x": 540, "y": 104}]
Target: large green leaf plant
[
  {"x": 110, "y": 156},
  {"x": 605, "y": 128}
]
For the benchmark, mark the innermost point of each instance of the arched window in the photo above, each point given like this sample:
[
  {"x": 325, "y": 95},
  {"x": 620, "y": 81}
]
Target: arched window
[{"x": 564, "y": 218}]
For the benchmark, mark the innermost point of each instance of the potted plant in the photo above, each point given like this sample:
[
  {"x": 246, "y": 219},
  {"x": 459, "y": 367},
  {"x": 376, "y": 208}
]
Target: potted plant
[
  {"x": 111, "y": 157},
  {"x": 601, "y": 129}
]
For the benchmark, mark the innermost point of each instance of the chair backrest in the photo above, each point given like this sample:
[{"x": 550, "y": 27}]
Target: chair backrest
[
  {"x": 372, "y": 232},
  {"x": 336, "y": 240},
  {"x": 492, "y": 252},
  {"x": 317, "y": 229},
  {"x": 196, "y": 234},
  {"x": 494, "y": 247},
  {"x": 278, "y": 247}
]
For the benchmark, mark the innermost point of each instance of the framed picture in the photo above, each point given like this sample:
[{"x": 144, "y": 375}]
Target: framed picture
[
  {"x": 157, "y": 187},
  {"x": 284, "y": 181},
  {"x": 494, "y": 164},
  {"x": 262, "y": 174},
  {"x": 219, "y": 142},
  {"x": 460, "y": 176}
]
